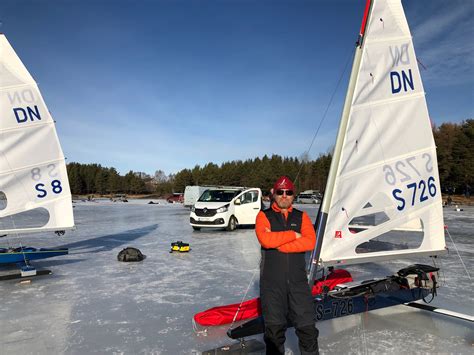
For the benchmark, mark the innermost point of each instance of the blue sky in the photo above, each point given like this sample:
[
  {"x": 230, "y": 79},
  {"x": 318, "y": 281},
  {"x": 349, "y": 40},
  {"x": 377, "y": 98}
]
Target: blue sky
[{"x": 147, "y": 85}]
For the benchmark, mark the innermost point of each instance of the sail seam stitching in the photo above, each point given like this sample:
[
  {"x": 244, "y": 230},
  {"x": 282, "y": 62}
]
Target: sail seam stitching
[
  {"x": 31, "y": 166},
  {"x": 6, "y": 88},
  {"x": 385, "y": 40},
  {"x": 384, "y": 162},
  {"x": 30, "y": 126},
  {"x": 390, "y": 100}
]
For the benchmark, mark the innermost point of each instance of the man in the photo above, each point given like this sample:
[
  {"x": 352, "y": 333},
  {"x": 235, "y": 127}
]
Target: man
[{"x": 285, "y": 234}]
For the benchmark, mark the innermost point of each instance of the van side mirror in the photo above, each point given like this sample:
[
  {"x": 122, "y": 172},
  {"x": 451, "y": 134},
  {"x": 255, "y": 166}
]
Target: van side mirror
[{"x": 237, "y": 202}]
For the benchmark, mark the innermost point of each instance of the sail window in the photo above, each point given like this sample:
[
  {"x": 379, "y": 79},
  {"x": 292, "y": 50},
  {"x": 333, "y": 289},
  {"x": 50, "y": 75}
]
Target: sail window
[
  {"x": 35, "y": 218},
  {"x": 362, "y": 223},
  {"x": 408, "y": 236},
  {"x": 3, "y": 200}
]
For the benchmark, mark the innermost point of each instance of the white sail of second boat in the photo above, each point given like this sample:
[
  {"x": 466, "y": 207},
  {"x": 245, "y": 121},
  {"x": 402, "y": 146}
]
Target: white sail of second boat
[
  {"x": 385, "y": 198},
  {"x": 33, "y": 173}
]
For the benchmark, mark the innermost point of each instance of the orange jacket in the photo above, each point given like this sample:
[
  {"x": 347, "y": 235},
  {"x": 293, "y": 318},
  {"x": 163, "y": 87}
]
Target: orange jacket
[{"x": 286, "y": 241}]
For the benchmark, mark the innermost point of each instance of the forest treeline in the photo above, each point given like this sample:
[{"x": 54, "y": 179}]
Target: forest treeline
[{"x": 455, "y": 149}]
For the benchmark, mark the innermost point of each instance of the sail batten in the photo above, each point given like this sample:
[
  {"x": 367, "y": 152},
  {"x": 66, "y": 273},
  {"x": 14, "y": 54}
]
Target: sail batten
[
  {"x": 31, "y": 126},
  {"x": 376, "y": 103},
  {"x": 348, "y": 175},
  {"x": 16, "y": 86},
  {"x": 369, "y": 41},
  {"x": 383, "y": 256},
  {"x": 28, "y": 167}
]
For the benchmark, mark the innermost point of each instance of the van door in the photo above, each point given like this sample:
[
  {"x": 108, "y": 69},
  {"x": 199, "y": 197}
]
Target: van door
[{"x": 250, "y": 204}]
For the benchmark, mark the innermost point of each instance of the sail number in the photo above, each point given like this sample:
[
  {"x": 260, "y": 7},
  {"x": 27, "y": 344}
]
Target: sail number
[
  {"x": 425, "y": 188},
  {"x": 338, "y": 308},
  {"x": 403, "y": 170},
  {"x": 36, "y": 172},
  {"x": 40, "y": 187},
  {"x": 419, "y": 189},
  {"x": 55, "y": 188}
]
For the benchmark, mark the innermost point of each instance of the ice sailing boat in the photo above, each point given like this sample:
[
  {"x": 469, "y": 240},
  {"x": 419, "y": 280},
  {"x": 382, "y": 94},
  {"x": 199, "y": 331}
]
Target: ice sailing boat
[
  {"x": 34, "y": 187},
  {"x": 382, "y": 200}
]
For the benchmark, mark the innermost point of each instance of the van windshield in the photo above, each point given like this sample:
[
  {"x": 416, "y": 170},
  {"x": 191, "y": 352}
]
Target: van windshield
[{"x": 218, "y": 195}]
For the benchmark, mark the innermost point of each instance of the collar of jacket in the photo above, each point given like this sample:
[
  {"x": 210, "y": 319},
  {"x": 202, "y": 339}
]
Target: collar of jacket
[{"x": 278, "y": 209}]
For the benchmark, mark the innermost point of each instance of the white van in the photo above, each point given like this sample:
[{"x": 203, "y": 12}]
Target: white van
[
  {"x": 192, "y": 194},
  {"x": 226, "y": 207}
]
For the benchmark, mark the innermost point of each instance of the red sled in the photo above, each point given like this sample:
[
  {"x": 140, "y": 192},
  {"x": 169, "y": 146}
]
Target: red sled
[
  {"x": 252, "y": 308},
  {"x": 225, "y": 314}
]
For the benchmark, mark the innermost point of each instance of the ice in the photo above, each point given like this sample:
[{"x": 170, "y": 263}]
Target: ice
[{"x": 95, "y": 304}]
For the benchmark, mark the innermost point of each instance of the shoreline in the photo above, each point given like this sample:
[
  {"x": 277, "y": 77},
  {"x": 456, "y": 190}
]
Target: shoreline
[{"x": 460, "y": 200}]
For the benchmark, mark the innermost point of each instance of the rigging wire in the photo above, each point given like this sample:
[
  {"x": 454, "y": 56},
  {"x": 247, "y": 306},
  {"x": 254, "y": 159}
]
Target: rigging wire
[
  {"x": 204, "y": 331},
  {"x": 243, "y": 299},
  {"x": 22, "y": 249},
  {"x": 257, "y": 269},
  {"x": 441, "y": 276},
  {"x": 351, "y": 54},
  {"x": 457, "y": 251},
  {"x": 363, "y": 331}
]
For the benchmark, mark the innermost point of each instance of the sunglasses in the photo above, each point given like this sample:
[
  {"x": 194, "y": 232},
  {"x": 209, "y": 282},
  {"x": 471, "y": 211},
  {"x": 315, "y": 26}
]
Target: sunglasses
[{"x": 281, "y": 192}]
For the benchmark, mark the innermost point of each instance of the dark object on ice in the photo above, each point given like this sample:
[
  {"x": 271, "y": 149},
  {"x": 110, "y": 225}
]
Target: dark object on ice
[
  {"x": 152, "y": 203},
  {"x": 22, "y": 254},
  {"x": 251, "y": 346},
  {"x": 176, "y": 198},
  {"x": 130, "y": 254},
  {"x": 19, "y": 275},
  {"x": 179, "y": 246},
  {"x": 449, "y": 201}
]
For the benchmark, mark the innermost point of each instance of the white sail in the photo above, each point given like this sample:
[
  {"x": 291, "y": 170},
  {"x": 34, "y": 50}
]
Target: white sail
[
  {"x": 386, "y": 197},
  {"x": 33, "y": 173}
]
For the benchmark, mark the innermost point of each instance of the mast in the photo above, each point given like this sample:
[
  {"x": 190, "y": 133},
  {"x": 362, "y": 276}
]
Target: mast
[{"x": 320, "y": 224}]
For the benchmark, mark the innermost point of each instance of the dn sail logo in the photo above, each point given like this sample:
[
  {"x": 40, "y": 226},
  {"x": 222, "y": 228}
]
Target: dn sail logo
[
  {"x": 28, "y": 111},
  {"x": 400, "y": 79}
]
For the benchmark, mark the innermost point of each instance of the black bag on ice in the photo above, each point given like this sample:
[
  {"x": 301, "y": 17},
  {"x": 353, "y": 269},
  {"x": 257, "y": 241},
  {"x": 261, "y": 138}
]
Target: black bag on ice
[{"x": 130, "y": 254}]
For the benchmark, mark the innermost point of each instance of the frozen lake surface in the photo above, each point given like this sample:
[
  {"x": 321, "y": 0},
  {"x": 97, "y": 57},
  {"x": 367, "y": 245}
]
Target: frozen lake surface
[{"x": 95, "y": 304}]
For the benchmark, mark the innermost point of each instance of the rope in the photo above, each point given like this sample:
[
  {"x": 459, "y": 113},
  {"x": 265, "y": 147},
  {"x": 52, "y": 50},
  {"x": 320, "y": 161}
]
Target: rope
[
  {"x": 325, "y": 113},
  {"x": 442, "y": 277},
  {"x": 196, "y": 329},
  {"x": 457, "y": 251},
  {"x": 364, "y": 320},
  {"x": 243, "y": 298},
  {"x": 204, "y": 332},
  {"x": 10, "y": 247}
]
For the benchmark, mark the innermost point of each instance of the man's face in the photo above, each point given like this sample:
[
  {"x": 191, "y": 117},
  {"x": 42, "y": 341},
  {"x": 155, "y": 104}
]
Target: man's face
[{"x": 284, "y": 198}]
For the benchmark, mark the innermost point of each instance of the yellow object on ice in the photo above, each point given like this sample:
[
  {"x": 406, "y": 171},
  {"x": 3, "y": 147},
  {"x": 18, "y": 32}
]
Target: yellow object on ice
[{"x": 180, "y": 247}]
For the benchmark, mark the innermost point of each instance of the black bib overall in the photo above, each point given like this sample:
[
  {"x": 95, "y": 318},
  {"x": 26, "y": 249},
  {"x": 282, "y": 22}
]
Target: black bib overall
[{"x": 284, "y": 291}]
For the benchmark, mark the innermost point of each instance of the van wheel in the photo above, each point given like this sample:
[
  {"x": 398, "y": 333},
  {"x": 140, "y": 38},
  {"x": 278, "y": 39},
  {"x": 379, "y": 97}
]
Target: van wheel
[
  {"x": 232, "y": 224},
  {"x": 197, "y": 228}
]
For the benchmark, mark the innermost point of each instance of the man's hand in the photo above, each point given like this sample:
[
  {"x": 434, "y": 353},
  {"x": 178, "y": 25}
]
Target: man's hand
[{"x": 298, "y": 235}]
